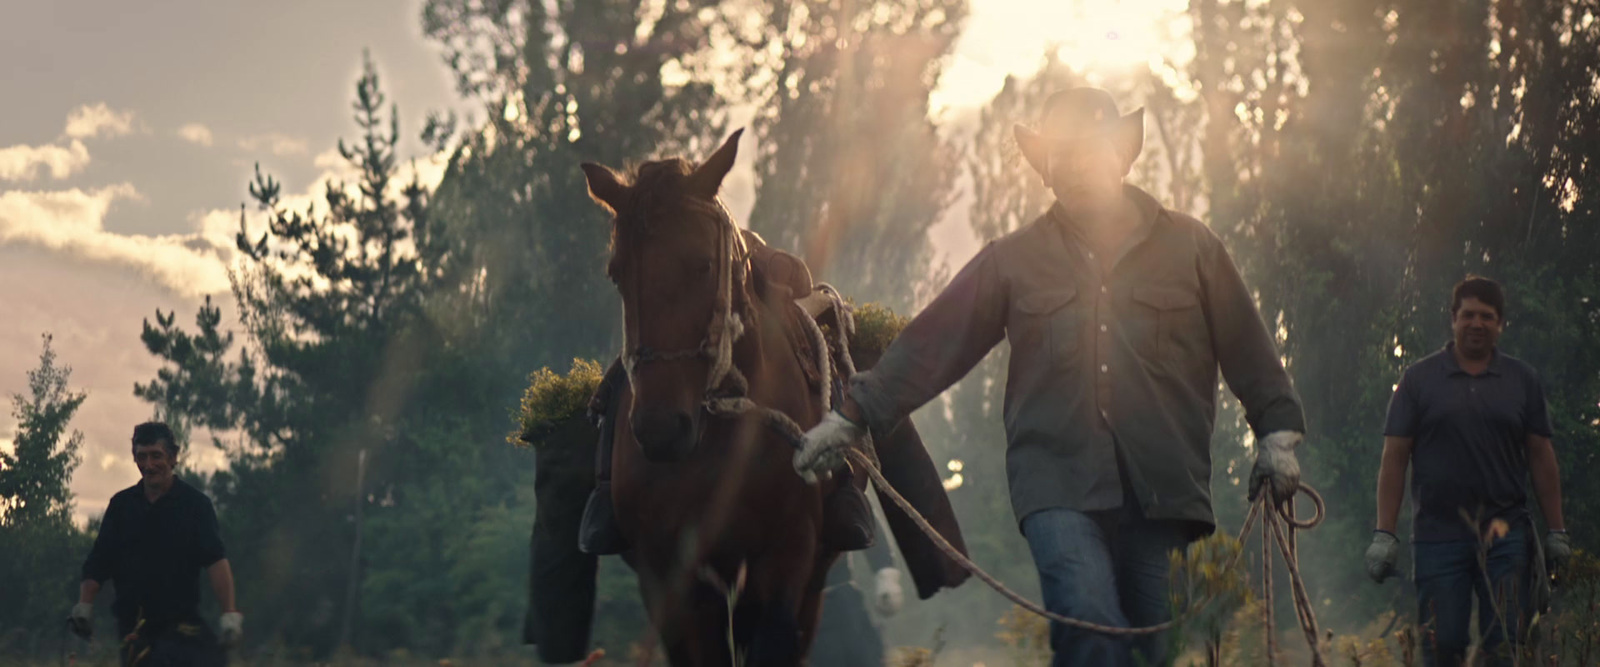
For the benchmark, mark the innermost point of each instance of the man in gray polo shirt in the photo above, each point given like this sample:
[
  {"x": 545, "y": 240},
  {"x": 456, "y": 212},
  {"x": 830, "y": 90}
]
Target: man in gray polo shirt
[{"x": 1473, "y": 425}]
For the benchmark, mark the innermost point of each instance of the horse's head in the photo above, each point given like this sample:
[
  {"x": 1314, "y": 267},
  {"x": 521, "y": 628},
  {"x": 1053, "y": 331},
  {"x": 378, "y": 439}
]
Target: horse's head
[{"x": 680, "y": 264}]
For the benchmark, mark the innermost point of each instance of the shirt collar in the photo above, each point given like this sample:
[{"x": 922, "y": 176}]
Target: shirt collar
[
  {"x": 1455, "y": 366},
  {"x": 177, "y": 485},
  {"x": 1149, "y": 209}
]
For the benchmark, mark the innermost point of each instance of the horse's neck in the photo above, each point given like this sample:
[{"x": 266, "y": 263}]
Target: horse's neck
[{"x": 767, "y": 359}]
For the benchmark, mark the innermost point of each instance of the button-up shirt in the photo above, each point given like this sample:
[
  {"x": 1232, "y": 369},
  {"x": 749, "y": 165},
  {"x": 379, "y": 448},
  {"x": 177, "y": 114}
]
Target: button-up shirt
[
  {"x": 1104, "y": 365},
  {"x": 1470, "y": 450},
  {"x": 154, "y": 553}
]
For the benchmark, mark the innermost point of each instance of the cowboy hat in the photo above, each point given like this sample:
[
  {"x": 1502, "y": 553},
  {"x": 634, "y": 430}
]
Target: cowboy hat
[{"x": 1079, "y": 112}]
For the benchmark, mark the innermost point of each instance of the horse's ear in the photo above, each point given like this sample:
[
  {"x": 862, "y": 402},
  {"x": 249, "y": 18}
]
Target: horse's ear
[
  {"x": 707, "y": 178},
  {"x": 605, "y": 187}
]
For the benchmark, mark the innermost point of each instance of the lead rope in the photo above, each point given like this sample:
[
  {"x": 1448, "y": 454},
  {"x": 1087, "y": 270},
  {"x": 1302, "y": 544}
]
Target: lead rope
[
  {"x": 1271, "y": 531},
  {"x": 1271, "y": 519}
]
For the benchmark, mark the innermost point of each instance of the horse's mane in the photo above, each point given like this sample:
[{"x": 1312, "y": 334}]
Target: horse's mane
[{"x": 651, "y": 186}]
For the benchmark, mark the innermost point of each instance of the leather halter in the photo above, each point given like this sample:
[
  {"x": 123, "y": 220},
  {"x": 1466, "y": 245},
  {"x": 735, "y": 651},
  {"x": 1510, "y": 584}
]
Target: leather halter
[{"x": 726, "y": 326}]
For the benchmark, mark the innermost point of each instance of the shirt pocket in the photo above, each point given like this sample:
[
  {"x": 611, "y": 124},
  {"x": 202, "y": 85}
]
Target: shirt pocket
[
  {"x": 1049, "y": 323},
  {"x": 1170, "y": 320}
]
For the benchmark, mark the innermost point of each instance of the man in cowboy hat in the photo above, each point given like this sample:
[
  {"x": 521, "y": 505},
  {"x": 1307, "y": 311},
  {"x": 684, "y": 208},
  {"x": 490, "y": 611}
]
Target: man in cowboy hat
[{"x": 1119, "y": 313}]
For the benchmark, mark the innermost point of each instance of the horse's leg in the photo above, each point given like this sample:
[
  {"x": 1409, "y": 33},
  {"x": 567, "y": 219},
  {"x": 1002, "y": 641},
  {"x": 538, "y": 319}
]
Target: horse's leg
[
  {"x": 787, "y": 599},
  {"x": 691, "y": 619},
  {"x": 809, "y": 611}
]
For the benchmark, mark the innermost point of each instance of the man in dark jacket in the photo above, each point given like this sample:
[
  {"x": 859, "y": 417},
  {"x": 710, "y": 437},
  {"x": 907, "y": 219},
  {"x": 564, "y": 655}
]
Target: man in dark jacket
[
  {"x": 155, "y": 539},
  {"x": 1119, "y": 313}
]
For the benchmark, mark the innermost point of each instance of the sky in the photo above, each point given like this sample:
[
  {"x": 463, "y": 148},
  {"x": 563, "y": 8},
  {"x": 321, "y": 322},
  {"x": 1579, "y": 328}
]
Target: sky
[{"x": 131, "y": 129}]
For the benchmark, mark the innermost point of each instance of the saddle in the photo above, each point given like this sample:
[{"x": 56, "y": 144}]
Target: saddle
[{"x": 821, "y": 320}]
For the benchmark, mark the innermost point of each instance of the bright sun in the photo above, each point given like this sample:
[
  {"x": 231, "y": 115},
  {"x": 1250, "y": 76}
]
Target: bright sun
[{"x": 1104, "y": 39}]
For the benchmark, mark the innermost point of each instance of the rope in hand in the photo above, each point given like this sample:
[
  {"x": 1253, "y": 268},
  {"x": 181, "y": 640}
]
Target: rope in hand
[
  {"x": 1278, "y": 526},
  {"x": 1272, "y": 520}
]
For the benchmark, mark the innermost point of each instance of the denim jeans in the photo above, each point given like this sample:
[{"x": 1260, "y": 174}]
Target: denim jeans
[
  {"x": 1449, "y": 575},
  {"x": 1108, "y": 568}
]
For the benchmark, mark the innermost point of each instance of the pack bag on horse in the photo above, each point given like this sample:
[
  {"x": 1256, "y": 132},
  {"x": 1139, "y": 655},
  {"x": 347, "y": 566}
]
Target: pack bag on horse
[{"x": 727, "y": 541}]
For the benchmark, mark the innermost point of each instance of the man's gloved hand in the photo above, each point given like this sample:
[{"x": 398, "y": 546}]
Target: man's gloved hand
[
  {"x": 1276, "y": 466},
  {"x": 824, "y": 445},
  {"x": 1557, "y": 549},
  {"x": 232, "y": 628},
  {"x": 1382, "y": 555},
  {"x": 888, "y": 594},
  {"x": 81, "y": 620}
]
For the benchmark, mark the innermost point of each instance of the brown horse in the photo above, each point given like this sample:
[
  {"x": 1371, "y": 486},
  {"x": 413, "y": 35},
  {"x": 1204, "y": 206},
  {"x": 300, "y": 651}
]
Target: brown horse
[{"x": 724, "y": 535}]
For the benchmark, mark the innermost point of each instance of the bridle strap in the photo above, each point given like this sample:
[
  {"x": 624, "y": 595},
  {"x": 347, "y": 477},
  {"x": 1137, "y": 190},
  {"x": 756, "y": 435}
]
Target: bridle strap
[{"x": 726, "y": 324}]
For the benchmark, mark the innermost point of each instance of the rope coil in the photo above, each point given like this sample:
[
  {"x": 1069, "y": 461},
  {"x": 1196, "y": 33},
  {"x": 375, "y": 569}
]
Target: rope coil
[
  {"x": 1279, "y": 525},
  {"x": 1271, "y": 519}
]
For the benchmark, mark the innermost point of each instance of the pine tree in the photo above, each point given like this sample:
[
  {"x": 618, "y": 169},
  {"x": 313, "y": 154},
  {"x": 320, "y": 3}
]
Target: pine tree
[
  {"x": 40, "y": 548},
  {"x": 35, "y": 474}
]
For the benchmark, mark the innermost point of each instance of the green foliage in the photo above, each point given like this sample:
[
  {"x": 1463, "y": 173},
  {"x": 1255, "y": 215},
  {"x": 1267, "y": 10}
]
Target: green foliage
[
  {"x": 34, "y": 475},
  {"x": 876, "y": 327},
  {"x": 522, "y": 235},
  {"x": 40, "y": 548},
  {"x": 1359, "y": 160},
  {"x": 1026, "y": 636},
  {"x": 1356, "y": 157},
  {"x": 346, "y": 359},
  {"x": 852, "y": 172},
  {"x": 551, "y": 398}
]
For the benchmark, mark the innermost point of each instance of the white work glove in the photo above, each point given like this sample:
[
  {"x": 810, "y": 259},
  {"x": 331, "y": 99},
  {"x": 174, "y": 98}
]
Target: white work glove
[
  {"x": 1557, "y": 550},
  {"x": 822, "y": 449},
  {"x": 1382, "y": 555},
  {"x": 1276, "y": 466},
  {"x": 81, "y": 620},
  {"x": 232, "y": 628},
  {"x": 888, "y": 594}
]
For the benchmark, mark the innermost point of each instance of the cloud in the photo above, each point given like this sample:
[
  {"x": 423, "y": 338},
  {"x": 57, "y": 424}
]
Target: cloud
[
  {"x": 330, "y": 161},
  {"x": 23, "y": 162},
  {"x": 68, "y": 155},
  {"x": 195, "y": 133},
  {"x": 73, "y": 222},
  {"x": 97, "y": 120},
  {"x": 277, "y": 144}
]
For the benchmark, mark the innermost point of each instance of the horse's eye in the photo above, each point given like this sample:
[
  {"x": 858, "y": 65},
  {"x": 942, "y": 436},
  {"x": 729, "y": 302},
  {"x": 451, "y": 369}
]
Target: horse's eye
[{"x": 703, "y": 267}]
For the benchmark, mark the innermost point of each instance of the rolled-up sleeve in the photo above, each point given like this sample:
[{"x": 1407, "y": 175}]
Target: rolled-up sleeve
[
  {"x": 938, "y": 347},
  {"x": 98, "y": 566},
  {"x": 1244, "y": 348}
]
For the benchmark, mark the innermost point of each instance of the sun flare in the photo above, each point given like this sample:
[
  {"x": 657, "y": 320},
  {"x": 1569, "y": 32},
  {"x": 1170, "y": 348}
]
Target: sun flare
[{"x": 1012, "y": 37}]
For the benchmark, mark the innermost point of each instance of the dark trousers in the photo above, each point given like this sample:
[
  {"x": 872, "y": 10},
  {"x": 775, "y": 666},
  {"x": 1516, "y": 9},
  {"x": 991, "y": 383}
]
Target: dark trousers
[
  {"x": 186, "y": 644},
  {"x": 1108, "y": 568},
  {"x": 1450, "y": 575}
]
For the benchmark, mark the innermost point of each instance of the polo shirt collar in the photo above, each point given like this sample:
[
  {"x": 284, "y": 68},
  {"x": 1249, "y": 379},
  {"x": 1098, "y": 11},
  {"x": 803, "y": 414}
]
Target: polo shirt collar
[{"x": 1454, "y": 367}]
